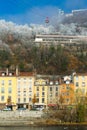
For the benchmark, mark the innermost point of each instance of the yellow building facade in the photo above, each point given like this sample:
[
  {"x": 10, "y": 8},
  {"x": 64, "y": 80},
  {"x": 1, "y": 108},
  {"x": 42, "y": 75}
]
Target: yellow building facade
[
  {"x": 80, "y": 82},
  {"x": 40, "y": 92},
  {"x": 8, "y": 89}
]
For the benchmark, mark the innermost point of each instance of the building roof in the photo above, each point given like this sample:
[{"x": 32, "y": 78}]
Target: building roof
[{"x": 26, "y": 74}]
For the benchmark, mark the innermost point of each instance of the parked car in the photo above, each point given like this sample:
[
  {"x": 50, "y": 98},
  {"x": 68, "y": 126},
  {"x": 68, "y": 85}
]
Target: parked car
[
  {"x": 7, "y": 109},
  {"x": 21, "y": 108},
  {"x": 40, "y": 108}
]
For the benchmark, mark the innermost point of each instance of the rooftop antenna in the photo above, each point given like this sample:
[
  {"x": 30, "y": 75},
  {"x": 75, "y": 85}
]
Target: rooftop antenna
[{"x": 46, "y": 21}]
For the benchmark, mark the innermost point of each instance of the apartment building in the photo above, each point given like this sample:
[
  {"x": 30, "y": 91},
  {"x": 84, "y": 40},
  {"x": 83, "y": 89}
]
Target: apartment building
[
  {"x": 8, "y": 89},
  {"x": 18, "y": 89},
  {"x": 40, "y": 91},
  {"x": 67, "y": 88},
  {"x": 53, "y": 92},
  {"x": 80, "y": 83},
  {"x": 25, "y": 89}
]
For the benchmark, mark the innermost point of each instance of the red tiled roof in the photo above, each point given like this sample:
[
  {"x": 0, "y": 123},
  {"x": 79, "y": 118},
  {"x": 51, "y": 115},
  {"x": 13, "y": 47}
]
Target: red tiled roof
[{"x": 26, "y": 74}]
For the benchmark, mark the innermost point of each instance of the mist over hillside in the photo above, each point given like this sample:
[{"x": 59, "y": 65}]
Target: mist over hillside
[
  {"x": 74, "y": 23},
  {"x": 21, "y": 31},
  {"x": 16, "y": 46},
  {"x": 68, "y": 24}
]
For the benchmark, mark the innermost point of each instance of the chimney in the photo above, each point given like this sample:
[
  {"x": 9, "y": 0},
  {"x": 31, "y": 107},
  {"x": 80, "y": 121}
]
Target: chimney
[
  {"x": 7, "y": 71},
  {"x": 16, "y": 70}
]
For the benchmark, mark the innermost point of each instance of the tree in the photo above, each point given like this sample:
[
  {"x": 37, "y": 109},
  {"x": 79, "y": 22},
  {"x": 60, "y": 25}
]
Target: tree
[
  {"x": 80, "y": 99},
  {"x": 34, "y": 100},
  {"x": 8, "y": 101},
  {"x": 80, "y": 113},
  {"x": 61, "y": 100},
  {"x": 73, "y": 63}
]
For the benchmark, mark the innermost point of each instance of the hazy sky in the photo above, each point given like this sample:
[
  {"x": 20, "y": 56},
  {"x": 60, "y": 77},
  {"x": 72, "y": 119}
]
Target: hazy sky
[{"x": 36, "y": 11}]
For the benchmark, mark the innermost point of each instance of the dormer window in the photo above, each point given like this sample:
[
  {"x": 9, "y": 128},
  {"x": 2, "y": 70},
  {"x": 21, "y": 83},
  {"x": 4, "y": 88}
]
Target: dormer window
[
  {"x": 67, "y": 82},
  {"x": 43, "y": 83},
  {"x": 56, "y": 82},
  {"x": 3, "y": 74},
  {"x": 10, "y": 74},
  {"x": 51, "y": 82},
  {"x": 36, "y": 83}
]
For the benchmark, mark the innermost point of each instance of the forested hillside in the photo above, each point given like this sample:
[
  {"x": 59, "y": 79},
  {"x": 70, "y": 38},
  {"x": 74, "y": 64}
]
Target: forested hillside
[{"x": 17, "y": 47}]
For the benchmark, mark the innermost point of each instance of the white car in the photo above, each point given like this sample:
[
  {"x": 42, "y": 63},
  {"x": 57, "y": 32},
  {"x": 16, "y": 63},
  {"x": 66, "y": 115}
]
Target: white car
[
  {"x": 40, "y": 108},
  {"x": 7, "y": 109}
]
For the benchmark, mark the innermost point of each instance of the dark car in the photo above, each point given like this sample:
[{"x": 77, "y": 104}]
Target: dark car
[{"x": 22, "y": 108}]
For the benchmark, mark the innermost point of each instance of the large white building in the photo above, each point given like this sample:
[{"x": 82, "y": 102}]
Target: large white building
[{"x": 58, "y": 39}]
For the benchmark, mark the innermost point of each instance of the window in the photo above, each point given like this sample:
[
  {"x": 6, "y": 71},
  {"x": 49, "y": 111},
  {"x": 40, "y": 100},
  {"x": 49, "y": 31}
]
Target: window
[
  {"x": 37, "y": 94},
  {"x": 56, "y": 88},
  {"x": 42, "y": 88},
  {"x": 24, "y": 94},
  {"x": 18, "y": 91},
  {"x": 29, "y": 99},
  {"x": 18, "y": 100},
  {"x": 9, "y": 98},
  {"x": 83, "y": 91},
  {"x": 30, "y": 89},
  {"x": 83, "y": 84},
  {"x": 19, "y": 79},
  {"x": 30, "y": 79},
  {"x": 77, "y": 78},
  {"x": 2, "y": 98},
  {"x": 37, "y": 99},
  {"x": 77, "y": 84},
  {"x": 30, "y": 94},
  {"x": 24, "y": 99},
  {"x": 83, "y": 78},
  {"x": 18, "y": 95},
  {"x": 2, "y": 90},
  {"x": 2, "y": 82},
  {"x": 43, "y": 94},
  {"x": 67, "y": 87},
  {"x": 50, "y": 88},
  {"x": 51, "y": 95},
  {"x": 9, "y": 82},
  {"x": 37, "y": 88},
  {"x": 9, "y": 90},
  {"x": 56, "y": 94},
  {"x": 67, "y": 93},
  {"x": 67, "y": 100},
  {"x": 24, "y": 79},
  {"x": 43, "y": 100}
]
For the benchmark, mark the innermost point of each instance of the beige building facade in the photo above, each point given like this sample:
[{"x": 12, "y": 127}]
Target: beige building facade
[{"x": 25, "y": 84}]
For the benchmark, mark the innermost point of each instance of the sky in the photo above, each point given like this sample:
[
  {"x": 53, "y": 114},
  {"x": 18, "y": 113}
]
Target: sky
[{"x": 36, "y": 11}]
